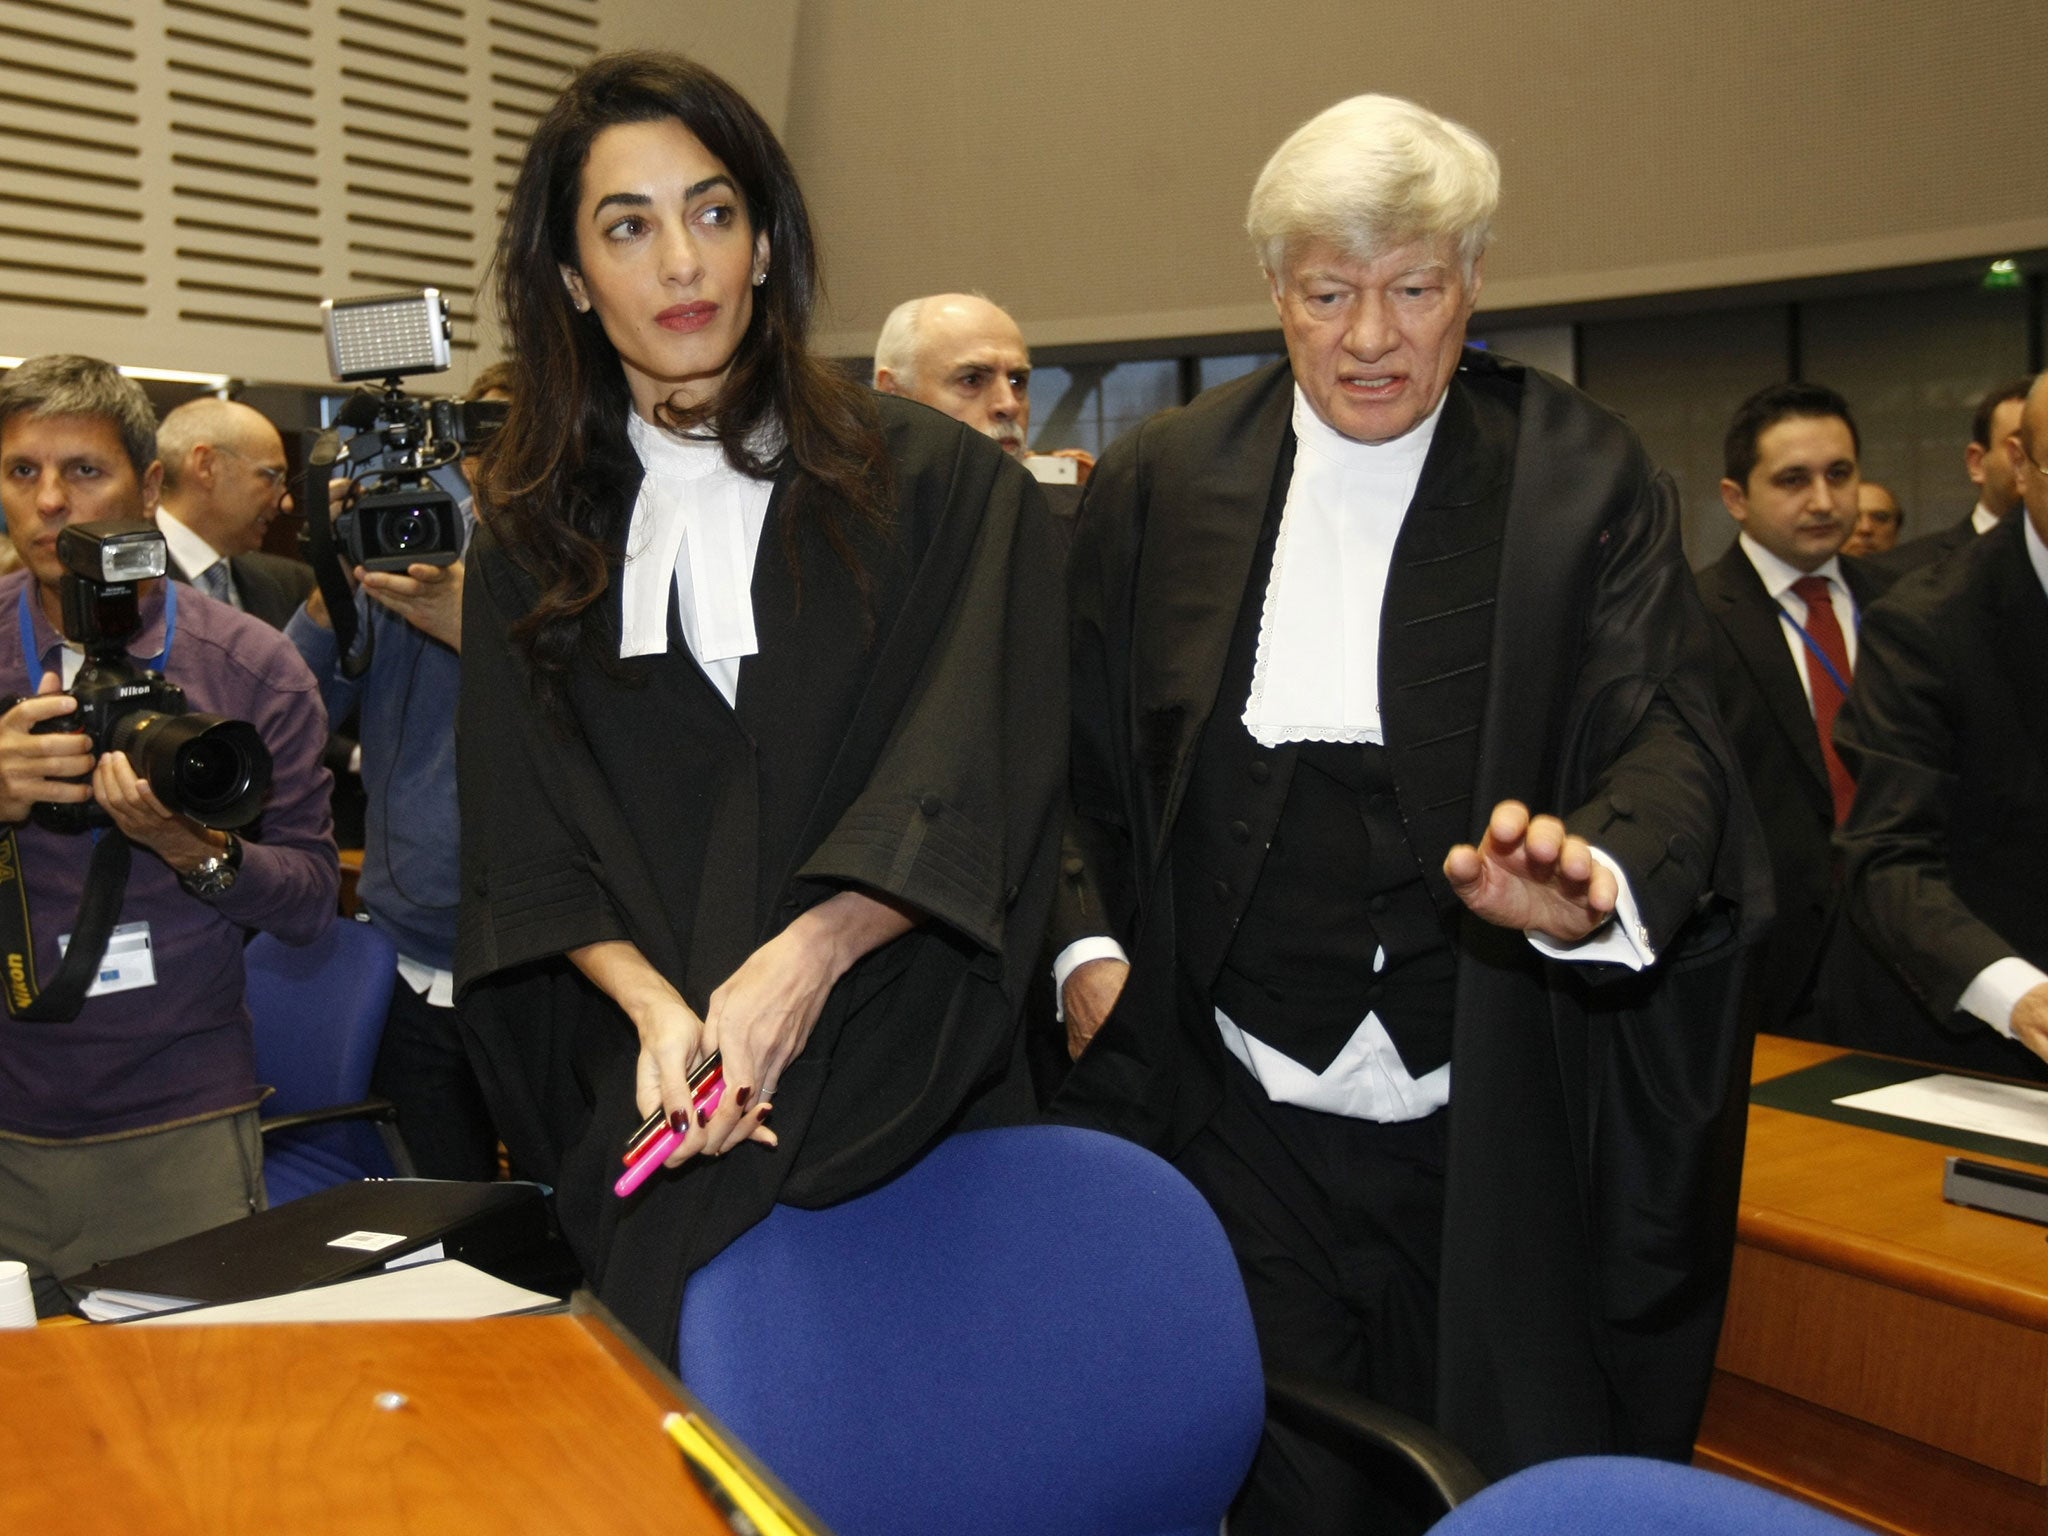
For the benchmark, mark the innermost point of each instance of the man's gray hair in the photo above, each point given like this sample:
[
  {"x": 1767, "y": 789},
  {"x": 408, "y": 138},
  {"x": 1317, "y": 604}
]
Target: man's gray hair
[
  {"x": 1372, "y": 174},
  {"x": 896, "y": 347},
  {"x": 64, "y": 384}
]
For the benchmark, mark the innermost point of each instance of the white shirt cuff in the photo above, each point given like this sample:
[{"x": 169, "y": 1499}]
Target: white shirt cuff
[
  {"x": 1621, "y": 940},
  {"x": 1072, "y": 958},
  {"x": 1997, "y": 991}
]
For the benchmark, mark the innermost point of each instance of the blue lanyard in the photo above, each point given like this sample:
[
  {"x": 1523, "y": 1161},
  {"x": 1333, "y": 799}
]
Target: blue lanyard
[
  {"x": 33, "y": 661},
  {"x": 1813, "y": 645}
]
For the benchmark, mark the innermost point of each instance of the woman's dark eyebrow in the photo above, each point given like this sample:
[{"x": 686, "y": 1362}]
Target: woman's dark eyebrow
[{"x": 642, "y": 200}]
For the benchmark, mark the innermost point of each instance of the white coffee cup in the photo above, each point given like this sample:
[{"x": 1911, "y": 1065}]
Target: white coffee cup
[{"x": 17, "y": 1299}]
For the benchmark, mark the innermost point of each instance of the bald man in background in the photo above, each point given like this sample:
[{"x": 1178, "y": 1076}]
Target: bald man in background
[
  {"x": 958, "y": 353},
  {"x": 224, "y": 482}
]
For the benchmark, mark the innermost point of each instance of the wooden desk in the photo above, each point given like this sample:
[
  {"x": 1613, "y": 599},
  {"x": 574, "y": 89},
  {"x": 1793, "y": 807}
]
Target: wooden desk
[
  {"x": 508, "y": 1425},
  {"x": 1885, "y": 1353}
]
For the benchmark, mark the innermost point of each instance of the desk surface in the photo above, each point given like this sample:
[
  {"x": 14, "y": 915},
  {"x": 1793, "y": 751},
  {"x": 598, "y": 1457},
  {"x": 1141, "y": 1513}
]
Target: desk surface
[
  {"x": 1885, "y": 1354},
  {"x": 508, "y": 1425},
  {"x": 1870, "y": 1202}
]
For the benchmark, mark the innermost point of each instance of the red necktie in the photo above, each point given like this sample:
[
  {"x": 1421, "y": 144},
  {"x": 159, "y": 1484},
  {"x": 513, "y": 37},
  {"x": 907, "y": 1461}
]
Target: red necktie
[{"x": 1826, "y": 633}]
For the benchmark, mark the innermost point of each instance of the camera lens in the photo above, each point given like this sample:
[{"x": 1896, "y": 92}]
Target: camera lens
[
  {"x": 403, "y": 530},
  {"x": 208, "y": 771},
  {"x": 215, "y": 771}
]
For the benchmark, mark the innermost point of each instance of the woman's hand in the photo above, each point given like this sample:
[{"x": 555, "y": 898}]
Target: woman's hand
[
  {"x": 763, "y": 1015},
  {"x": 671, "y": 1034}
]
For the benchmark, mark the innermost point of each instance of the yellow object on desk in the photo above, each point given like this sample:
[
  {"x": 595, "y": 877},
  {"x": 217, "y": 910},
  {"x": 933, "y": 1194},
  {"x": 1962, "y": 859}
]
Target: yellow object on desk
[{"x": 705, "y": 1451}]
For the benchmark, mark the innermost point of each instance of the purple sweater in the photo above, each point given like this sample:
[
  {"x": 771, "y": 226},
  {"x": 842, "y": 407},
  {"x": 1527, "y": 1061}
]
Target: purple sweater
[{"x": 180, "y": 1050}]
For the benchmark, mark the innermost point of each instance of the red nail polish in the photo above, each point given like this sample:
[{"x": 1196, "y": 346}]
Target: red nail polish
[
  {"x": 744, "y": 1095},
  {"x": 676, "y": 1122}
]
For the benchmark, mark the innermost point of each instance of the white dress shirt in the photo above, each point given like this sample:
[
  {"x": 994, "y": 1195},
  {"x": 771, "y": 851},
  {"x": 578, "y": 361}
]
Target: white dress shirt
[
  {"x": 1982, "y": 518},
  {"x": 1316, "y": 678},
  {"x": 193, "y": 555},
  {"x": 697, "y": 522},
  {"x": 1997, "y": 989},
  {"x": 1777, "y": 576}
]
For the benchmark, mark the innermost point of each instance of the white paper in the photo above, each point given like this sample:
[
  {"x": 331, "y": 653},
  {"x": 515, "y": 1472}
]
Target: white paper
[
  {"x": 1962, "y": 1104},
  {"x": 433, "y": 1253},
  {"x": 105, "y": 1306},
  {"x": 445, "y": 1291},
  {"x": 368, "y": 1242}
]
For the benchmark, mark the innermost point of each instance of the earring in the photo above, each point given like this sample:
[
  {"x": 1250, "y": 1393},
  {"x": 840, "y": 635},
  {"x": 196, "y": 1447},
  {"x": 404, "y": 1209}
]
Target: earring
[{"x": 760, "y": 277}]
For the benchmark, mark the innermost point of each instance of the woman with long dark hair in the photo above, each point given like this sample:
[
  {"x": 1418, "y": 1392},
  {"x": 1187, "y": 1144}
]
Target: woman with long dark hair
[{"x": 763, "y": 696}]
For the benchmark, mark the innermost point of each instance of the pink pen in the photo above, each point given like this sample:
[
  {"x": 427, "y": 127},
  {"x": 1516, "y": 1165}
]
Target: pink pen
[{"x": 657, "y": 1150}]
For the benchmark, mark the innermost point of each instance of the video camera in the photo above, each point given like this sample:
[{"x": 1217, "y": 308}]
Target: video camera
[
  {"x": 393, "y": 515},
  {"x": 213, "y": 770}
]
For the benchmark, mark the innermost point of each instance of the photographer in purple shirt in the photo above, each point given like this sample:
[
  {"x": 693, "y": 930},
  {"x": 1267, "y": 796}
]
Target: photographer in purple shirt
[{"x": 134, "y": 1122}]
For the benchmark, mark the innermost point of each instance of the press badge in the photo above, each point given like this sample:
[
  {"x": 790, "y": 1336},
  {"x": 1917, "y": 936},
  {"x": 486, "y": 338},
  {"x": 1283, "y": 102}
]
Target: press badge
[{"x": 128, "y": 963}]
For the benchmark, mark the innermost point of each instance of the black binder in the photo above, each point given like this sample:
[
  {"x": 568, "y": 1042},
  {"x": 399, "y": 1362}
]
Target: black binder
[{"x": 347, "y": 1230}]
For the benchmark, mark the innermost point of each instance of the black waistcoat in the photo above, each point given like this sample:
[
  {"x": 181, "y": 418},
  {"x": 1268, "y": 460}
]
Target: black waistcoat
[{"x": 1295, "y": 864}]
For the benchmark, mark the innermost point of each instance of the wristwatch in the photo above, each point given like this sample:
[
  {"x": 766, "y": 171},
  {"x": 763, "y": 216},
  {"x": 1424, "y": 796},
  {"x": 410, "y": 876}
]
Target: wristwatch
[{"x": 215, "y": 876}]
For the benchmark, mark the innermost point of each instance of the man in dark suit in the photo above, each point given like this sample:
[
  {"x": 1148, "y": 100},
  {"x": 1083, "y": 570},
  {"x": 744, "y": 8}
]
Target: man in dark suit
[
  {"x": 224, "y": 481},
  {"x": 1785, "y": 607},
  {"x": 1339, "y": 627},
  {"x": 1997, "y": 418},
  {"x": 1947, "y": 732}
]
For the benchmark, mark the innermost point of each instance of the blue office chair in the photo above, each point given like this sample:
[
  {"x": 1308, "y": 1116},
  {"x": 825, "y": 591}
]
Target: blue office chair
[
  {"x": 1034, "y": 1330},
  {"x": 319, "y": 1014},
  {"x": 1628, "y": 1495}
]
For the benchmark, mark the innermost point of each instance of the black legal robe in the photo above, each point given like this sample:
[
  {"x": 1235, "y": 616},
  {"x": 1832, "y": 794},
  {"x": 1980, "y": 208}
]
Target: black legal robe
[
  {"x": 910, "y": 743},
  {"x": 1596, "y": 1115}
]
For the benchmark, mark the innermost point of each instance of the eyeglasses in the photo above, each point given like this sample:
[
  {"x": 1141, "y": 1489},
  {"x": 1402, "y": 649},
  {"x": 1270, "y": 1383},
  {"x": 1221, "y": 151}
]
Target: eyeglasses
[{"x": 273, "y": 476}]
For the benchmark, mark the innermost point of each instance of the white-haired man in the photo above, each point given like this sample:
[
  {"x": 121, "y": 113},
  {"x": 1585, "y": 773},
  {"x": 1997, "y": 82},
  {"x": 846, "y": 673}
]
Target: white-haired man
[
  {"x": 958, "y": 353},
  {"x": 1339, "y": 627}
]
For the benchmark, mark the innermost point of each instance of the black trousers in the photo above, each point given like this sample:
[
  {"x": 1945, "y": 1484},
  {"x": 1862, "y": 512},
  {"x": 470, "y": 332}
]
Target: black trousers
[
  {"x": 423, "y": 1069},
  {"x": 1337, "y": 1226}
]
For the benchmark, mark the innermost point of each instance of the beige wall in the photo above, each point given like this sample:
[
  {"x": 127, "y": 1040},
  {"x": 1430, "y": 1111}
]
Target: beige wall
[
  {"x": 181, "y": 180},
  {"x": 751, "y": 42},
  {"x": 1087, "y": 164}
]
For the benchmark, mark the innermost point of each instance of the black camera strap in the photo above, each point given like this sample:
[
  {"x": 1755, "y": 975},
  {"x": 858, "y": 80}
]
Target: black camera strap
[
  {"x": 106, "y": 883},
  {"x": 329, "y": 570}
]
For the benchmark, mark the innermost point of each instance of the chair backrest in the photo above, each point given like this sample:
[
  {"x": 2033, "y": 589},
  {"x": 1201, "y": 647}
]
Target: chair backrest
[
  {"x": 319, "y": 1014},
  {"x": 1036, "y": 1329},
  {"x": 1629, "y": 1495}
]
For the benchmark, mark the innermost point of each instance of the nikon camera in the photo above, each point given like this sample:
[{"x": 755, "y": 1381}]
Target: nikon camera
[{"x": 213, "y": 770}]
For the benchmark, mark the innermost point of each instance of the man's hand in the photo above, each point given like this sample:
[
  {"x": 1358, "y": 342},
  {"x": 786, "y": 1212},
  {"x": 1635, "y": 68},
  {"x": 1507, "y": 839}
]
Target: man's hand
[
  {"x": 179, "y": 841},
  {"x": 37, "y": 768},
  {"x": 1529, "y": 873},
  {"x": 428, "y": 597},
  {"x": 1091, "y": 992},
  {"x": 2030, "y": 1021}
]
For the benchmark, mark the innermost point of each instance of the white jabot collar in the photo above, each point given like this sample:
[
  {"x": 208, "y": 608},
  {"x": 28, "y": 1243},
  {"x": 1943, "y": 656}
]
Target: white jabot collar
[
  {"x": 1316, "y": 677},
  {"x": 697, "y": 520}
]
